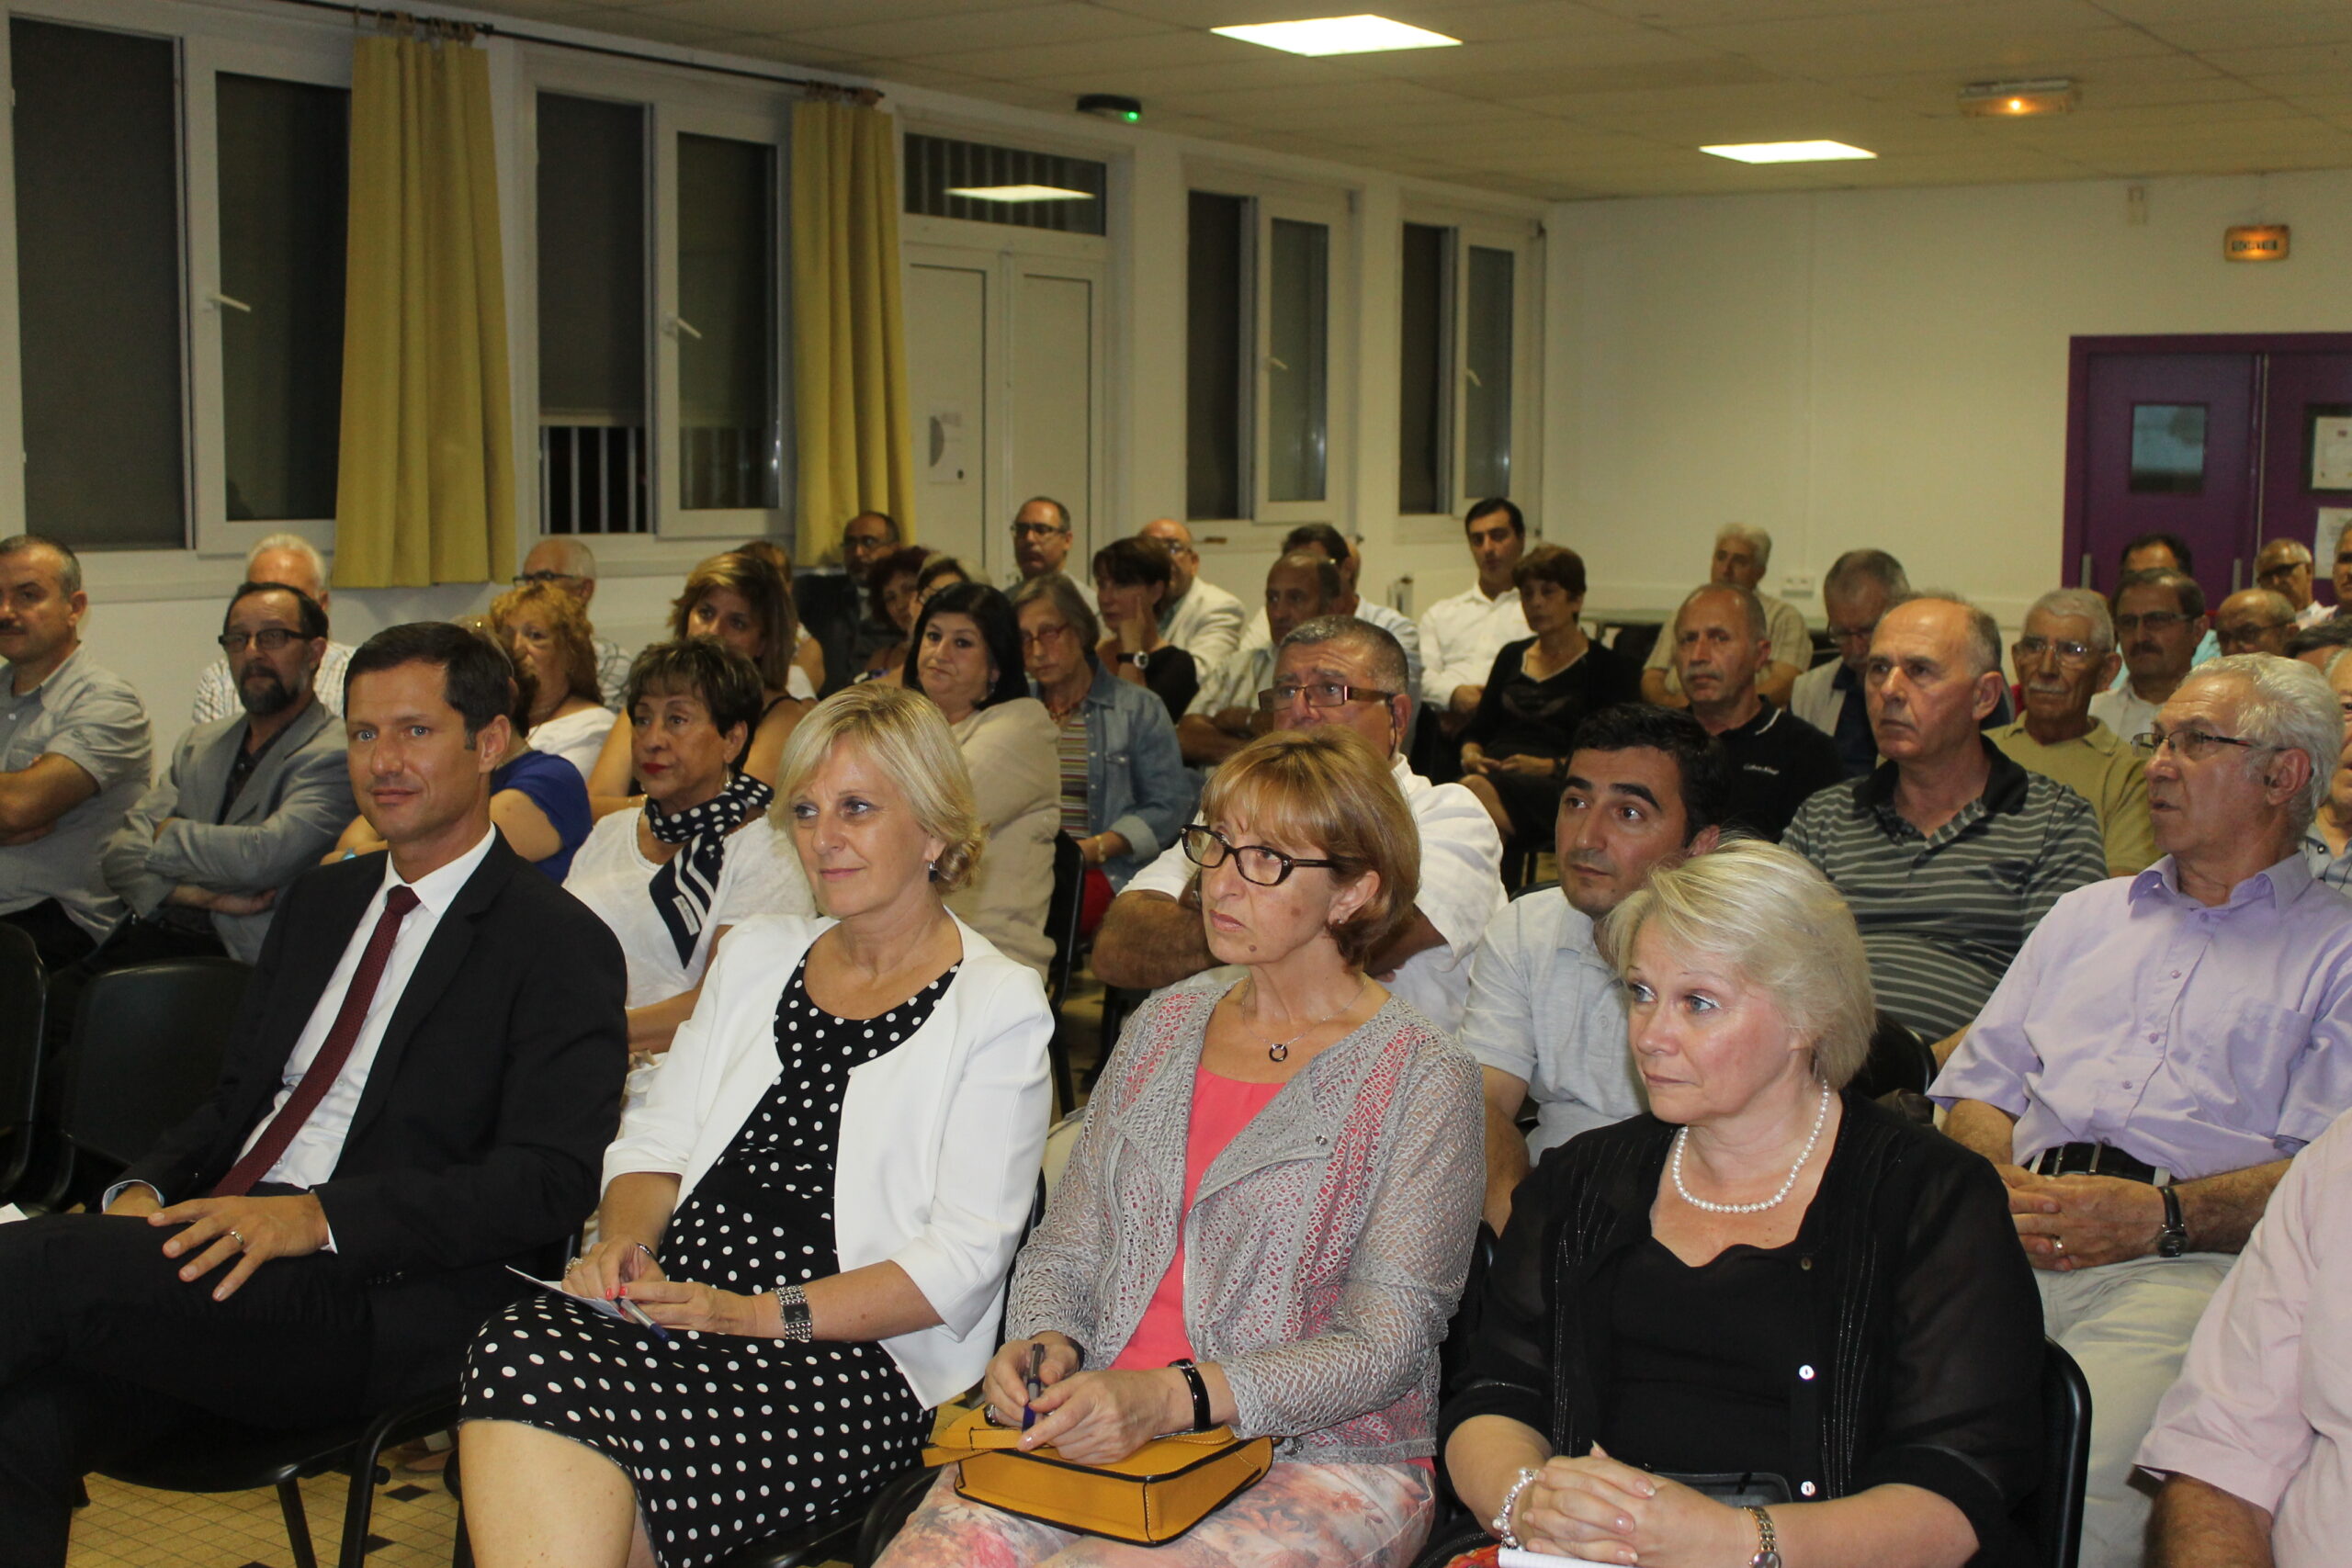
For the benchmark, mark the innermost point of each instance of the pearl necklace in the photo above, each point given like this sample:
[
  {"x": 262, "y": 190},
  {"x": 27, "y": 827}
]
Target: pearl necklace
[{"x": 1819, "y": 1119}]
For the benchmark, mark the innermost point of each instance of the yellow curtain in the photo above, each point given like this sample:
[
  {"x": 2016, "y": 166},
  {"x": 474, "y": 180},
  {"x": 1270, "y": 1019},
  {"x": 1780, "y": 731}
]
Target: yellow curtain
[
  {"x": 849, "y": 340},
  {"x": 427, "y": 487}
]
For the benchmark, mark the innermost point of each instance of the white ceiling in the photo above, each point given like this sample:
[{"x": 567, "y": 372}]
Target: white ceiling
[{"x": 1574, "y": 99}]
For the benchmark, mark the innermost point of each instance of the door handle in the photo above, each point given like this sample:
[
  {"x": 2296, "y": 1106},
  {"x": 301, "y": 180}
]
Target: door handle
[
  {"x": 220, "y": 299},
  {"x": 680, "y": 324}
]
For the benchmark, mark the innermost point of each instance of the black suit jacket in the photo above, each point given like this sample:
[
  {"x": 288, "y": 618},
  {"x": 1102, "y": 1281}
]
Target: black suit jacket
[{"x": 479, "y": 1137}]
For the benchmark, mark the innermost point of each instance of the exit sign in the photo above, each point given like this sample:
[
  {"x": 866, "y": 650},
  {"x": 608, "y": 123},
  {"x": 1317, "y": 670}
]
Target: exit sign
[{"x": 2254, "y": 242}]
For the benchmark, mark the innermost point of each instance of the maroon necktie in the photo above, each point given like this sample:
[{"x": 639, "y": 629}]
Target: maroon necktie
[{"x": 333, "y": 1055}]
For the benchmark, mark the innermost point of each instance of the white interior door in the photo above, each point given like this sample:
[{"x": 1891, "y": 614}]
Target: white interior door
[
  {"x": 1005, "y": 369},
  {"x": 947, "y": 362}
]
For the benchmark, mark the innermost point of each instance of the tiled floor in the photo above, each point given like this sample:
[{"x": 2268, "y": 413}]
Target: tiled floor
[{"x": 126, "y": 1527}]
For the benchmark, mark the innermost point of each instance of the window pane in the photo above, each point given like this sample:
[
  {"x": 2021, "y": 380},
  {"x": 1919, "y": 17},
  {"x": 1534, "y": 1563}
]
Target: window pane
[
  {"x": 1298, "y": 321},
  {"x": 1216, "y": 368},
  {"x": 1486, "y": 363},
  {"x": 1422, "y": 375},
  {"x": 2167, "y": 448},
  {"x": 729, "y": 431},
  {"x": 939, "y": 165},
  {"x": 593, "y": 317},
  {"x": 283, "y": 172},
  {"x": 98, "y": 285}
]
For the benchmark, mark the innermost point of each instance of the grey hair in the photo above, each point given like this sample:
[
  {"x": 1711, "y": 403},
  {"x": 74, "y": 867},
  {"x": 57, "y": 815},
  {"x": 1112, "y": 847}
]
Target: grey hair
[
  {"x": 293, "y": 543},
  {"x": 1061, "y": 512},
  {"x": 2287, "y": 704},
  {"x": 1062, "y": 594},
  {"x": 69, "y": 565},
  {"x": 1747, "y": 533},
  {"x": 1383, "y": 653},
  {"x": 1772, "y": 918},
  {"x": 1760, "y": 627},
  {"x": 2082, "y": 602},
  {"x": 1983, "y": 631},
  {"x": 1855, "y": 568},
  {"x": 578, "y": 559}
]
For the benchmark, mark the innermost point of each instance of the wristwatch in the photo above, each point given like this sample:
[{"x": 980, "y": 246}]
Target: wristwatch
[
  {"x": 1140, "y": 660},
  {"x": 1767, "y": 1542},
  {"x": 2173, "y": 1240}
]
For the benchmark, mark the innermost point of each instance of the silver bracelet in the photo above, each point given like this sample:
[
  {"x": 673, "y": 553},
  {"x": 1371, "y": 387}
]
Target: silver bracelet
[
  {"x": 793, "y": 1303},
  {"x": 1499, "y": 1525}
]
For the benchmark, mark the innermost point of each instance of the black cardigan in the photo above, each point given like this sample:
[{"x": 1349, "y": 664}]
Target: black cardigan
[{"x": 1924, "y": 1328}]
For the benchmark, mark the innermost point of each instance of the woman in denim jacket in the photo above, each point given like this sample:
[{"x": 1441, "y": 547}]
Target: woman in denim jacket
[
  {"x": 1125, "y": 788},
  {"x": 1267, "y": 1216}
]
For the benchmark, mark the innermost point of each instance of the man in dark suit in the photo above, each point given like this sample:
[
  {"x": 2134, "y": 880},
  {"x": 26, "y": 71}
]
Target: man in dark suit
[
  {"x": 249, "y": 803},
  {"x": 421, "y": 1082}
]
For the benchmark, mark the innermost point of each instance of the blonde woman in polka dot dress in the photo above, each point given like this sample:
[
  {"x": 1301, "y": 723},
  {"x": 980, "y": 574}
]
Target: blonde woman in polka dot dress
[{"x": 816, "y": 1206}]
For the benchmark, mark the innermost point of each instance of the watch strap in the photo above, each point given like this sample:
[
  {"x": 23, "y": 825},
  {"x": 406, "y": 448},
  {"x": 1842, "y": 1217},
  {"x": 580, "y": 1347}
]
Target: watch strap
[
  {"x": 2172, "y": 1240},
  {"x": 792, "y": 1302},
  {"x": 1768, "y": 1539},
  {"x": 1199, "y": 1386}
]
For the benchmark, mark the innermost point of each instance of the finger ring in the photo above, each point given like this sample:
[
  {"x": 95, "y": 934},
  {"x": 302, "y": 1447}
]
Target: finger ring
[
  {"x": 241, "y": 1238},
  {"x": 570, "y": 1266},
  {"x": 2058, "y": 1242}
]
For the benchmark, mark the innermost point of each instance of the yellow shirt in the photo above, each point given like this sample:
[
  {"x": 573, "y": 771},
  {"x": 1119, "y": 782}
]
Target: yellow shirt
[{"x": 2104, "y": 770}]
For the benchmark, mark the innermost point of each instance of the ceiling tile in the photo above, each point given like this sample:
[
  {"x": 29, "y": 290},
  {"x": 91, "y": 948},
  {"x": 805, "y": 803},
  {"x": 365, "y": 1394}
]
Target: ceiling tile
[
  {"x": 650, "y": 25},
  {"x": 803, "y": 16},
  {"x": 1156, "y": 84},
  {"x": 1065, "y": 21},
  {"x": 1092, "y": 56},
  {"x": 2256, "y": 63}
]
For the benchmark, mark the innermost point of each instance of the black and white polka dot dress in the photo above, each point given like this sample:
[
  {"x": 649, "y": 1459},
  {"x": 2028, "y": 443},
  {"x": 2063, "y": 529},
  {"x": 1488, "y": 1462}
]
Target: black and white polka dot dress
[{"x": 726, "y": 1438}]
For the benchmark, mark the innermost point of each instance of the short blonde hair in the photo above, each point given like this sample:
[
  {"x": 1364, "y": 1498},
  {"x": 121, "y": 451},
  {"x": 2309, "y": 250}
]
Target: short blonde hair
[
  {"x": 567, "y": 623},
  {"x": 904, "y": 735},
  {"x": 1776, "y": 922},
  {"x": 1326, "y": 787}
]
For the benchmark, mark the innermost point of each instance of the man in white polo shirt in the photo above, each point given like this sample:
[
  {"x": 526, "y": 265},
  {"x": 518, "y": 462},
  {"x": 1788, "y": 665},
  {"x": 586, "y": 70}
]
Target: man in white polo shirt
[{"x": 1338, "y": 670}]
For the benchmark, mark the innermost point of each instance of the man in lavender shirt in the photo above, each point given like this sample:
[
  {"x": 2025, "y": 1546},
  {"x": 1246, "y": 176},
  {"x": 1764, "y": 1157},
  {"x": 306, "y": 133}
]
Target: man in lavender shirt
[
  {"x": 2254, "y": 1441},
  {"x": 2162, "y": 1048}
]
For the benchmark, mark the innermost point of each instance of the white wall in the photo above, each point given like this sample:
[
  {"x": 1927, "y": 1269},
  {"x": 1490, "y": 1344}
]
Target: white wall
[{"x": 1882, "y": 368}]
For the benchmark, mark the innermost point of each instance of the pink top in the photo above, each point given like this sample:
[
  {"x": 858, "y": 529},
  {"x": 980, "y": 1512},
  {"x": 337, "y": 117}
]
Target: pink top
[
  {"x": 2263, "y": 1409},
  {"x": 1221, "y": 1108}
]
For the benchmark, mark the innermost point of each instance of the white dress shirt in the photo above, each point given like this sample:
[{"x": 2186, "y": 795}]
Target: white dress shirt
[
  {"x": 310, "y": 1158},
  {"x": 1460, "y": 890},
  {"x": 1205, "y": 623},
  {"x": 1460, "y": 638}
]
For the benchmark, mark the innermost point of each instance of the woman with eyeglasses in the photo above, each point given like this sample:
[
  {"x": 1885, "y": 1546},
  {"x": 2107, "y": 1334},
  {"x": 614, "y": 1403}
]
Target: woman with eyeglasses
[
  {"x": 1123, "y": 788},
  {"x": 1267, "y": 1217},
  {"x": 1515, "y": 748},
  {"x": 545, "y": 628}
]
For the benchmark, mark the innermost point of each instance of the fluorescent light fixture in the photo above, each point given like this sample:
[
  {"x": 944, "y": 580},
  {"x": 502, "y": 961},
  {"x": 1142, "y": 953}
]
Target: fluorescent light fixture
[
  {"x": 1338, "y": 34},
  {"x": 1787, "y": 152},
  {"x": 1019, "y": 192},
  {"x": 2010, "y": 100}
]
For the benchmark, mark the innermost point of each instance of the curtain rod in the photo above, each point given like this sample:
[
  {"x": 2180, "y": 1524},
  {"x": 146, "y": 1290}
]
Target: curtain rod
[{"x": 868, "y": 96}]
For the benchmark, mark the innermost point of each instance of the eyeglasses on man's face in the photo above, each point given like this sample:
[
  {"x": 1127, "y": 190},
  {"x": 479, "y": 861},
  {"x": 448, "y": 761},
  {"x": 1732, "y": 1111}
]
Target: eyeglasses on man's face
[
  {"x": 2196, "y": 745},
  {"x": 525, "y": 579},
  {"x": 269, "y": 640},
  {"x": 2029, "y": 650},
  {"x": 1859, "y": 632},
  {"x": 1324, "y": 694},
  {"x": 2239, "y": 636},
  {"x": 1036, "y": 530},
  {"x": 1258, "y": 864}
]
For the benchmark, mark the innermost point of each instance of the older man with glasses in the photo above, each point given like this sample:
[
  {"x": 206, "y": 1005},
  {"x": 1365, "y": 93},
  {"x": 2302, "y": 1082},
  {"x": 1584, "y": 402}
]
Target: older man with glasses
[
  {"x": 2254, "y": 620},
  {"x": 565, "y": 563},
  {"x": 2163, "y": 1046},
  {"x": 2066, "y": 657},
  {"x": 2159, "y": 622},
  {"x": 1860, "y": 587},
  {"x": 1197, "y": 615},
  {"x": 1042, "y": 537},
  {"x": 1336, "y": 670},
  {"x": 2284, "y": 566}
]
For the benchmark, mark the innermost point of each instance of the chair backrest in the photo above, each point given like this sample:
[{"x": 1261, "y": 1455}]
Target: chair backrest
[
  {"x": 148, "y": 1042},
  {"x": 24, "y": 984},
  {"x": 1062, "y": 915},
  {"x": 1899, "y": 1060},
  {"x": 2052, "y": 1517}
]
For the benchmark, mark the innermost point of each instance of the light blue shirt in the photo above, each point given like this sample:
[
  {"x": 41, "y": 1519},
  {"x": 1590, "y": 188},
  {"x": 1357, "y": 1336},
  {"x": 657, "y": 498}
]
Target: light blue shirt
[{"x": 1546, "y": 1008}]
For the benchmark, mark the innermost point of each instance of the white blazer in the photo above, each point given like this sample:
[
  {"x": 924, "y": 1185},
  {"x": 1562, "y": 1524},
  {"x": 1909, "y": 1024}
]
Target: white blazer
[{"x": 941, "y": 1138}]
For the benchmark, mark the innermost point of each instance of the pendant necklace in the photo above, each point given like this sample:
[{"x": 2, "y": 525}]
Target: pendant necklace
[
  {"x": 1279, "y": 1050},
  {"x": 1683, "y": 1138}
]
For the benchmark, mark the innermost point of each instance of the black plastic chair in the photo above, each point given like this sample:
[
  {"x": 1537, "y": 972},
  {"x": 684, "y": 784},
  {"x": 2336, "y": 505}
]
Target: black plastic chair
[
  {"x": 2052, "y": 1517},
  {"x": 1899, "y": 1060},
  {"x": 147, "y": 1046},
  {"x": 227, "y": 1457},
  {"x": 1549, "y": 884},
  {"x": 25, "y": 985},
  {"x": 1062, "y": 913}
]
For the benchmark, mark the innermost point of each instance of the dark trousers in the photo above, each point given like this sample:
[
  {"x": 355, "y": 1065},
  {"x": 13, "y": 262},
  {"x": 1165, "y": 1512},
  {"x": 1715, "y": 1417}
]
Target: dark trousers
[
  {"x": 105, "y": 1349},
  {"x": 55, "y": 936}
]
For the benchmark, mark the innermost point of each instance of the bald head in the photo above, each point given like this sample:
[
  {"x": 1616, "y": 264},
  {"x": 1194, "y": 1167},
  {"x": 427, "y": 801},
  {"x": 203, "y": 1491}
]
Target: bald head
[
  {"x": 1183, "y": 563},
  {"x": 2254, "y": 620},
  {"x": 2284, "y": 568}
]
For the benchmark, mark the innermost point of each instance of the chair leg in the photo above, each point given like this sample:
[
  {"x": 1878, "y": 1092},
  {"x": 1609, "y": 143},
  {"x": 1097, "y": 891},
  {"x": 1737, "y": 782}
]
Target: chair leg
[
  {"x": 298, "y": 1523},
  {"x": 461, "y": 1550}
]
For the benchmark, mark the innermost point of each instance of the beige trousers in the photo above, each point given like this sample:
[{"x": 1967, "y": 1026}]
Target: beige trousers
[{"x": 2128, "y": 1325}]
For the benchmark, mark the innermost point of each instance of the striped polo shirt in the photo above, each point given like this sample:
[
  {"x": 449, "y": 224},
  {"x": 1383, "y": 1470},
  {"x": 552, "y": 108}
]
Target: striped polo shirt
[{"x": 1943, "y": 913}]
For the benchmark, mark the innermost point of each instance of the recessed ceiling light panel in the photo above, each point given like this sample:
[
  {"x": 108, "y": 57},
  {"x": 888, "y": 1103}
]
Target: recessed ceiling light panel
[
  {"x": 1338, "y": 34},
  {"x": 1787, "y": 152},
  {"x": 1019, "y": 192},
  {"x": 2011, "y": 100}
]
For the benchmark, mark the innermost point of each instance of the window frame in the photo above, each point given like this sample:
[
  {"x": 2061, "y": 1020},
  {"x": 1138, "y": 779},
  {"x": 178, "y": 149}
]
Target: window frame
[
  {"x": 1522, "y": 237},
  {"x": 1271, "y": 199}
]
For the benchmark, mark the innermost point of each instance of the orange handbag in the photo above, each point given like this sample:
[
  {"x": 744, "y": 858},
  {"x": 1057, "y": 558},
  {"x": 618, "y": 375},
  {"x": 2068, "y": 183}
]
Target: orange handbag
[{"x": 1150, "y": 1497}]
